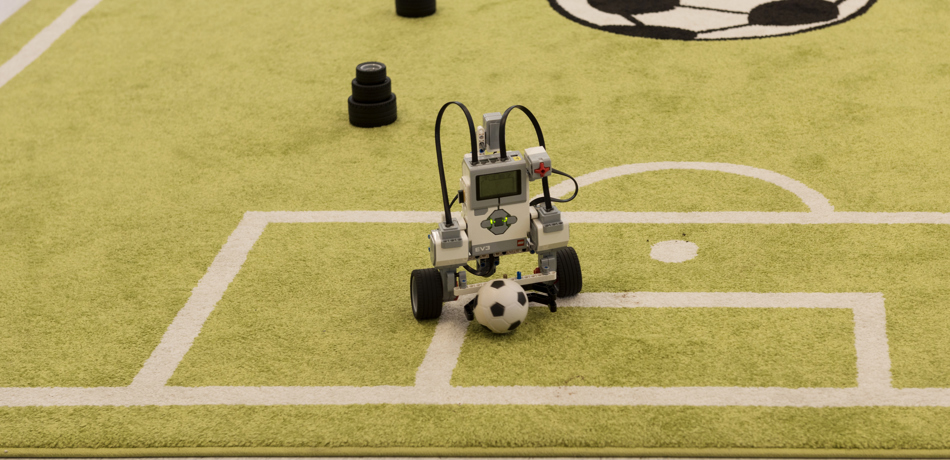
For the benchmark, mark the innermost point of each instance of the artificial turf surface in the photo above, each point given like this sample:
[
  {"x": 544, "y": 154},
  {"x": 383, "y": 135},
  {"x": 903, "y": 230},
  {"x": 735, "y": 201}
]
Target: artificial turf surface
[{"x": 131, "y": 149}]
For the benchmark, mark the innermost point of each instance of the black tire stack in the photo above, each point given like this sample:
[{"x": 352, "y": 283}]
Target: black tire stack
[
  {"x": 415, "y": 8},
  {"x": 373, "y": 102}
]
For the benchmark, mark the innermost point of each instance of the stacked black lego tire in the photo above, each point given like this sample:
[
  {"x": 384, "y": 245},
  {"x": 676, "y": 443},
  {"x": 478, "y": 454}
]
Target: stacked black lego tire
[
  {"x": 415, "y": 8},
  {"x": 373, "y": 102}
]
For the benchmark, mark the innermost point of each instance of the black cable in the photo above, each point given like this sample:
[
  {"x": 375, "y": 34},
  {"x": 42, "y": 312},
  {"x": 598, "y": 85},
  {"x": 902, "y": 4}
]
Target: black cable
[
  {"x": 486, "y": 270},
  {"x": 438, "y": 152},
  {"x": 501, "y": 129},
  {"x": 470, "y": 270},
  {"x": 536, "y": 201},
  {"x": 547, "y": 193},
  {"x": 457, "y": 197},
  {"x": 537, "y": 129}
]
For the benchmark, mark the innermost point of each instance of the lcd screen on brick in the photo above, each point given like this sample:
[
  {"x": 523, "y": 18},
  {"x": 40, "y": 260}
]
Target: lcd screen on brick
[{"x": 498, "y": 185}]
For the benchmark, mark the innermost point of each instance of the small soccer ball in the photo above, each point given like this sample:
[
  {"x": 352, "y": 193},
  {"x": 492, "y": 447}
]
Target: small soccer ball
[{"x": 502, "y": 306}]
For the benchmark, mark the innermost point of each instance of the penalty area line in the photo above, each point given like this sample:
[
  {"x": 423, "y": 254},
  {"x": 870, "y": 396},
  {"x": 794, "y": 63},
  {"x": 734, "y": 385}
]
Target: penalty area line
[{"x": 186, "y": 326}]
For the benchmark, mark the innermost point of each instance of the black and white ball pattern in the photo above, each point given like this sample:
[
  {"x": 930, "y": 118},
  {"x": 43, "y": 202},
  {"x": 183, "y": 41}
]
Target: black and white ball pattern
[
  {"x": 502, "y": 306},
  {"x": 709, "y": 19}
]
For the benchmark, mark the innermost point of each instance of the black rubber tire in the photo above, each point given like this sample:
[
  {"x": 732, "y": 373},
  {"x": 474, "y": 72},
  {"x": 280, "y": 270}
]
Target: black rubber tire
[
  {"x": 371, "y": 73},
  {"x": 415, "y": 8},
  {"x": 374, "y": 114},
  {"x": 569, "y": 279},
  {"x": 425, "y": 290},
  {"x": 368, "y": 94}
]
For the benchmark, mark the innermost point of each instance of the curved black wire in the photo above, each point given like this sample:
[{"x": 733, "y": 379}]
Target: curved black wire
[
  {"x": 537, "y": 129},
  {"x": 486, "y": 270},
  {"x": 501, "y": 129},
  {"x": 535, "y": 201},
  {"x": 438, "y": 152}
]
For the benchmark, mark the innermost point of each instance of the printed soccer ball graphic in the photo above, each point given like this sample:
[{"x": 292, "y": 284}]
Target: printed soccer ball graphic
[
  {"x": 709, "y": 19},
  {"x": 502, "y": 306}
]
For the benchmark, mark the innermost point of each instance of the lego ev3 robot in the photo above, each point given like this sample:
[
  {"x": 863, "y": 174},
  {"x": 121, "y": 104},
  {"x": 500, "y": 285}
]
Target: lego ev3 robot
[{"x": 497, "y": 219}]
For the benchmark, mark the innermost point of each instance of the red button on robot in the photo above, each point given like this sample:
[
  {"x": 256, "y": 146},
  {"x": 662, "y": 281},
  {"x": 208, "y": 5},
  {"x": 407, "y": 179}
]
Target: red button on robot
[{"x": 542, "y": 170}]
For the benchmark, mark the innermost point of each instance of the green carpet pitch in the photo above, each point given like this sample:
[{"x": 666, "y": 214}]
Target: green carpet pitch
[{"x": 131, "y": 149}]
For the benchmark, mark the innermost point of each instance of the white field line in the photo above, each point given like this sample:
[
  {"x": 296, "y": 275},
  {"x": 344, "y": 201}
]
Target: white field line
[
  {"x": 870, "y": 321},
  {"x": 815, "y": 201},
  {"x": 432, "y": 385},
  {"x": 870, "y": 332},
  {"x": 521, "y": 395},
  {"x": 870, "y": 342},
  {"x": 804, "y": 218},
  {"x": 183, "y": 330},
  {"x": 43, "y": 40},
  {"x": 618, "y": 217},
  {"x": 434, "y": 374},
  {"x": 8, "y": 7},
  {"x": 190, "y": 319}
]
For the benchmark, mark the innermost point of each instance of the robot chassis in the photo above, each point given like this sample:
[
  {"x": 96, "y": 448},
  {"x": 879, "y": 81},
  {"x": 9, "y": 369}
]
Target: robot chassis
[{"x": 497, "y": 219}]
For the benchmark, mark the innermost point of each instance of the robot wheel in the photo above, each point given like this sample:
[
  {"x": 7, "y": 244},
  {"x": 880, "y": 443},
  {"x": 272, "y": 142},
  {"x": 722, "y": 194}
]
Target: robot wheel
[{"x": 425, "y": 286}]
